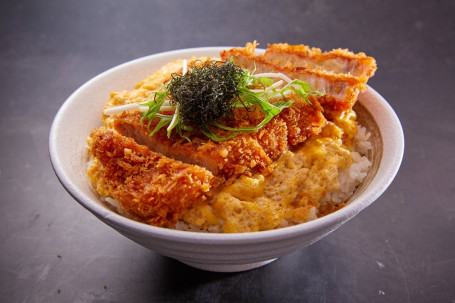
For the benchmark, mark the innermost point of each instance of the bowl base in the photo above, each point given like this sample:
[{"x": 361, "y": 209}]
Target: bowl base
[{"x": 227, "y": 267}]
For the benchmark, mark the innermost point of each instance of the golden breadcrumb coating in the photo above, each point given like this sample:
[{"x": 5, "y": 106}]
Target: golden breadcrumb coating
[
  {"x": 149, "y": 186},
  {"x": 235, "y": 156}
]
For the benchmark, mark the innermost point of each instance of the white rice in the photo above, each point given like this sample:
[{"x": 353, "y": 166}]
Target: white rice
[
  {"x": 180, "y": 225},
  {"x": 116, "y": 205},
  {"x": 351, "y": 177}
]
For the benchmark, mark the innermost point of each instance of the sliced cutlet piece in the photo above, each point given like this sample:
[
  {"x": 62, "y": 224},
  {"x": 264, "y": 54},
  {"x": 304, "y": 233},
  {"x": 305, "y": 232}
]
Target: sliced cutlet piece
[
  {"x": 302, "y": 119},
  {"x": 272, "y": 137},
  {"x": 239, "y": 155},
  {"x": 341, "y": 91},
  {"x": 338, "y": 61},
  {"x": 149, "y": 186},
  {"x": 244, "y": 154}
]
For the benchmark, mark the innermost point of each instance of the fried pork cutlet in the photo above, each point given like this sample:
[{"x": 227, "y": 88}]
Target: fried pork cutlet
[
  {"x": 225, "y": 159},
  {"x": 244, "y": 154},
  {"x": 337, "y": 61},
  {"x": 149, "y": 186},
  {"x": 303, "y": 120},
  {"x": 341, "y": 90}
]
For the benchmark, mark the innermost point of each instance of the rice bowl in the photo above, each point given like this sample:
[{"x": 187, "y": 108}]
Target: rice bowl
[{"x": 217, "y": 252}]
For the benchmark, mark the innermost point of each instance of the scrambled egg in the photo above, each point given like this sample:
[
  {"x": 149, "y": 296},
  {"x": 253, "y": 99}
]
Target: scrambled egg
[{"x": 291, "y": 194}]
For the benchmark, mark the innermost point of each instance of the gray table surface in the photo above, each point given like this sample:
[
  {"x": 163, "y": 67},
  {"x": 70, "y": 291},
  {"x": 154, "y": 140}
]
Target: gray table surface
[{"x": 400, "y": 249}]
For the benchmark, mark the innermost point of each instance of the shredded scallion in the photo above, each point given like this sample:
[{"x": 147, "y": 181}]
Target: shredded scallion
[{"x": 207, "y": 93}]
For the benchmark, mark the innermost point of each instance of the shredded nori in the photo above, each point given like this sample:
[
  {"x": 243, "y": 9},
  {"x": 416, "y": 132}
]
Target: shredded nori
[
  {"x": 205, "y": 97},
  {"x": 206, "y": 93}
]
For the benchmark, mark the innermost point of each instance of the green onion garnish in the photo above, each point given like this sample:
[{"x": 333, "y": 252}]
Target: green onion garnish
[{"x": 207, "y": 94}]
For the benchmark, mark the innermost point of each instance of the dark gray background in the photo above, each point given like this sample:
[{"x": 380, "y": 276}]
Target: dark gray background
[{"x": 400, "y": 249}]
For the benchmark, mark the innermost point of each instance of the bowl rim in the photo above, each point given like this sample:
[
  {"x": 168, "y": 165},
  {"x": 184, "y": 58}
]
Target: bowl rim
[{"x": 388, "y": 169}]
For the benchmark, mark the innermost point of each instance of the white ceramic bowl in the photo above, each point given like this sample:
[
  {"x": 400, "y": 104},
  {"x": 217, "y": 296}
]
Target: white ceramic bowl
[{"x": 81, "y": 113}]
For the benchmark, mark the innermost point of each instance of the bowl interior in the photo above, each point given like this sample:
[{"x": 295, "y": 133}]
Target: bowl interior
[
  {"x": 81, "y": 113},
  {"x": 366, "y": 119}
]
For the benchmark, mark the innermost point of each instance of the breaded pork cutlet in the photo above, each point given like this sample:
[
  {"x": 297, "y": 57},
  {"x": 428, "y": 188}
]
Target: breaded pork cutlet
[
  {"x": 338, "y": 61},
  {"x": 228, "y": 158},
  {"x": 149, "y": 186},
  {"x": 303, "y": 120},
  {"x": 341, "y": 90},
  {"x": 246, "y": 153}
]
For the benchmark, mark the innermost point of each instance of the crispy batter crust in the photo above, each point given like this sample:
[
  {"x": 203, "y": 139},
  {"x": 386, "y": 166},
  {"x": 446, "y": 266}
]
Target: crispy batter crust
[
  {"x": 151, "y": 187},
  {"x": 303, "y": 120}
]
